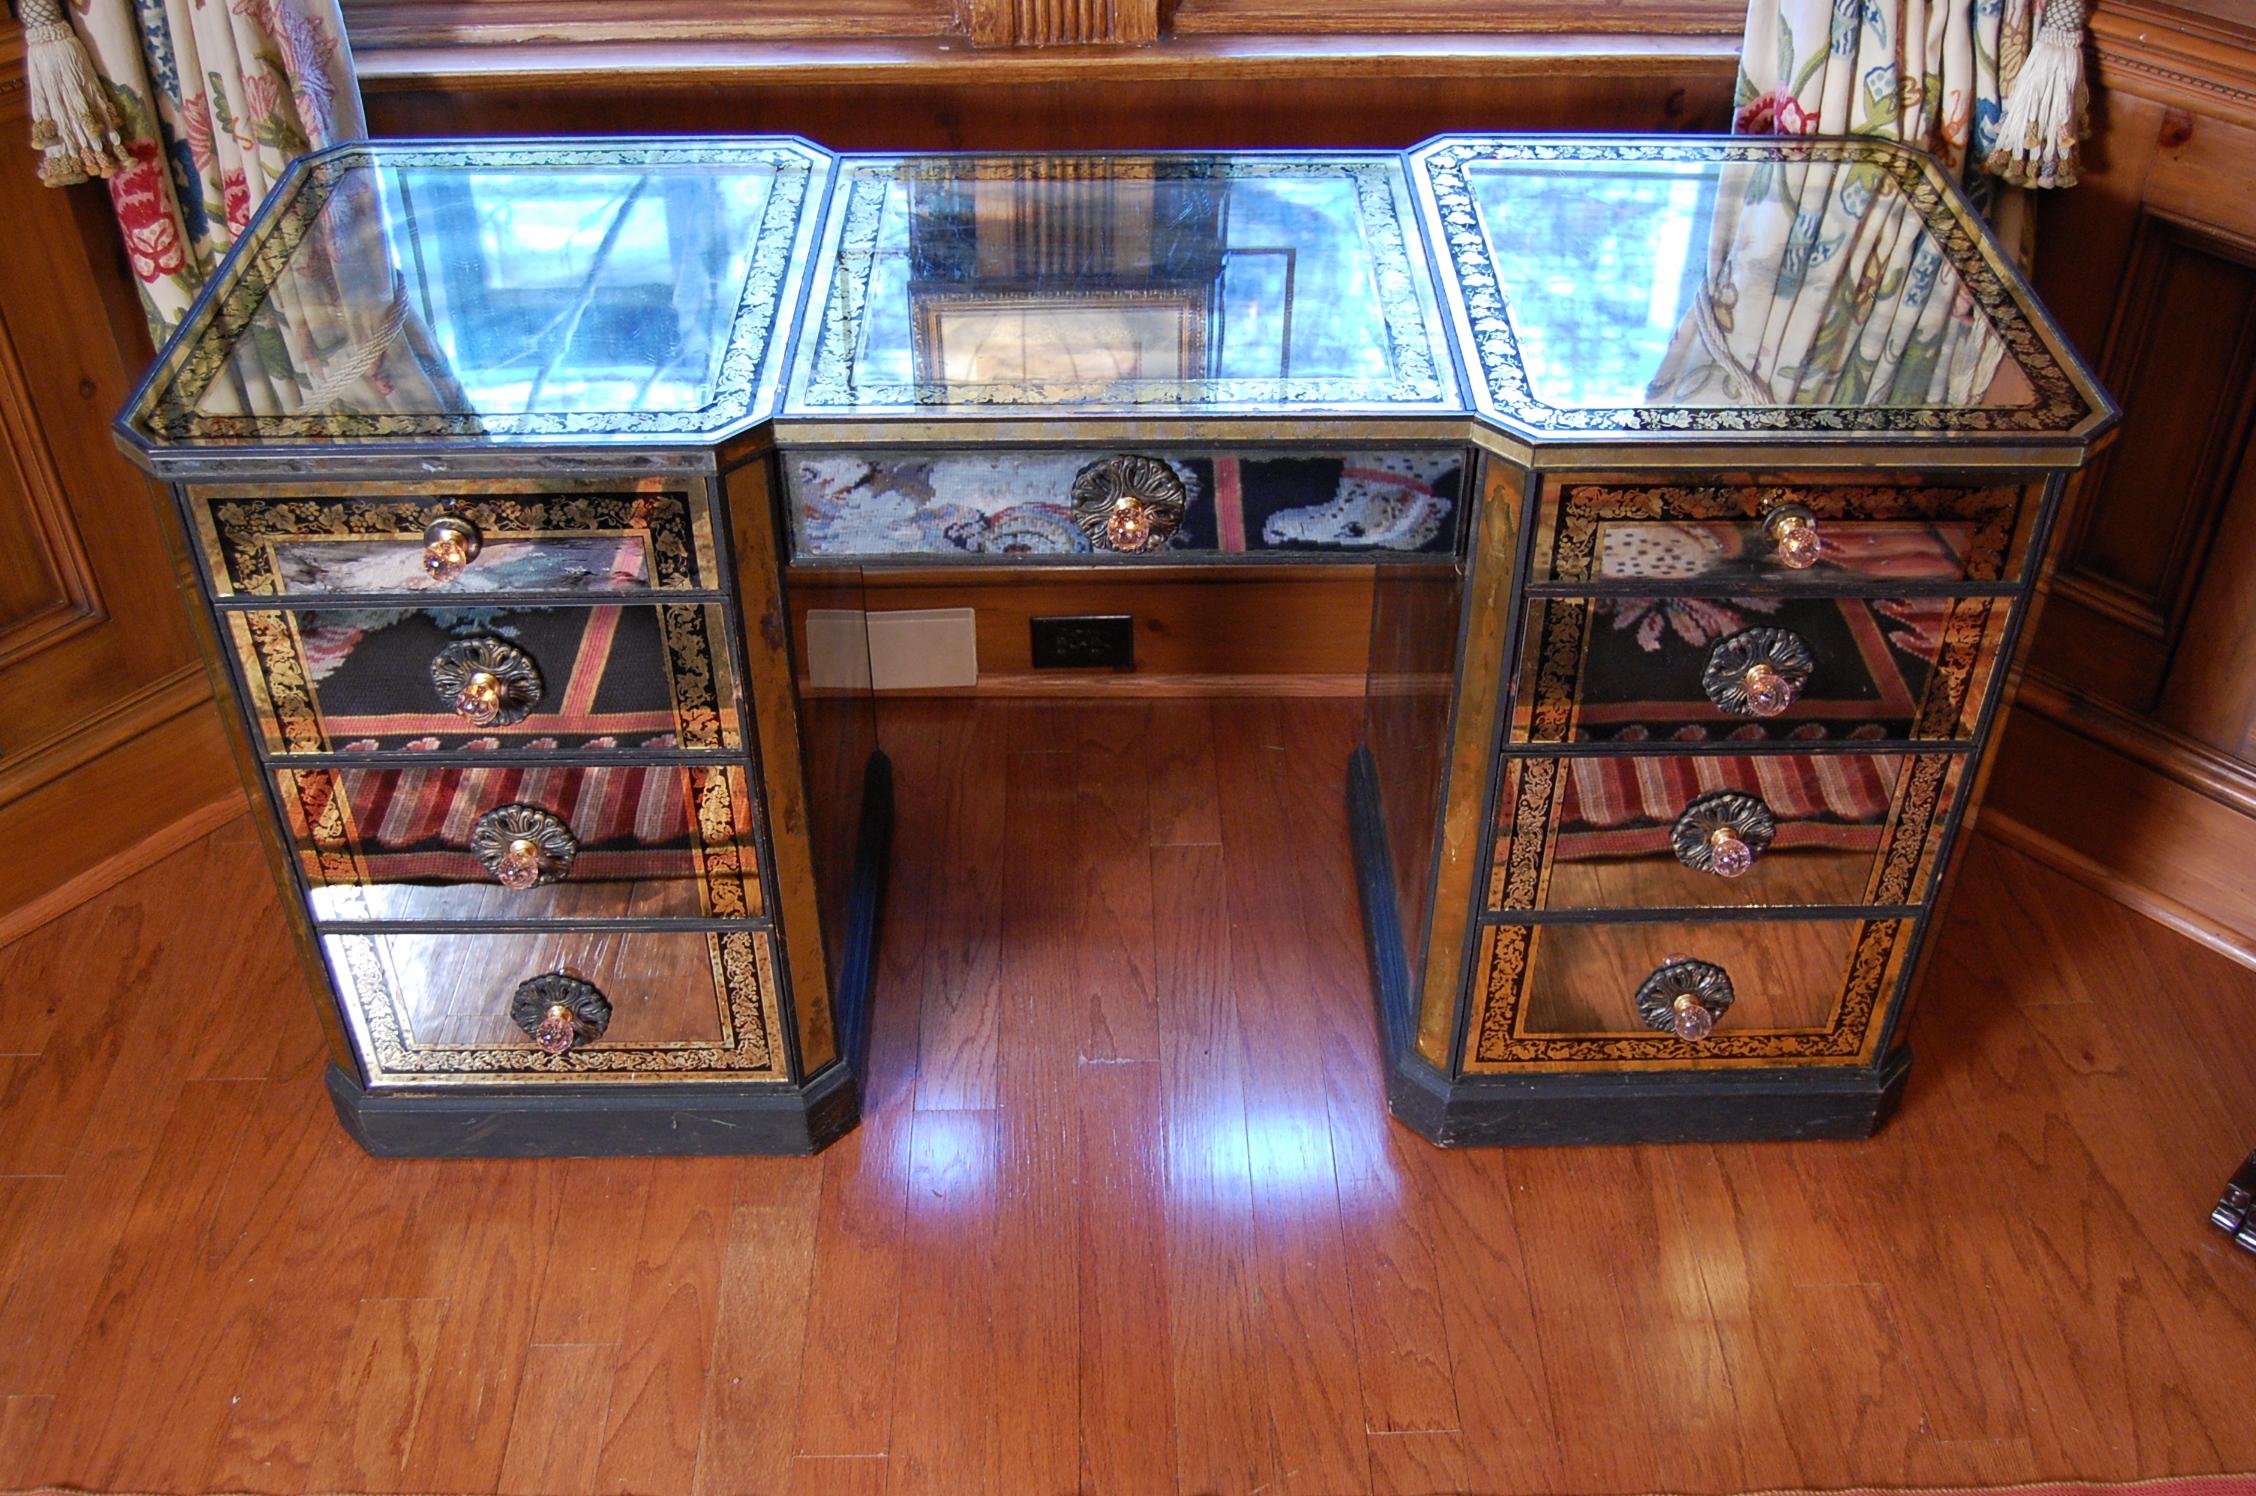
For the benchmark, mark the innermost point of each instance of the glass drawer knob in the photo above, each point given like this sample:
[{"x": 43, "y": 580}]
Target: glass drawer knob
[
  {"x": 560, "y": 1011},
  {"x": 487, "y": 681},
  {"x": 1793, "y": 531},
  {"x": 523, "y": 846},
  {"x": 1758, "y": 672},
  {"x": 1129, "y": 504},
  {"x": 1685, "y": 997},
  {"x": 450, "y": 543},
  {"x": 1723, "y": 832}
]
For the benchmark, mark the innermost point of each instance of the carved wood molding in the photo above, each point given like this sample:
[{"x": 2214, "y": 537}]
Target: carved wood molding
[
  {"x": 2177, "y": 55},
  {"x": 1058, "y": 23}
]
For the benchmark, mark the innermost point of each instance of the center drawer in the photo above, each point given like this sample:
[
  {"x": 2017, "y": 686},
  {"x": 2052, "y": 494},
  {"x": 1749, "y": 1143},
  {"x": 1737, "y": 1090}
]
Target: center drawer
[
  {"x": 1124, "y": 505},
  {"x": 1666, "y": 831},
  {"x": 619, "y": 676},
  {"x": 516, "y": 841}
]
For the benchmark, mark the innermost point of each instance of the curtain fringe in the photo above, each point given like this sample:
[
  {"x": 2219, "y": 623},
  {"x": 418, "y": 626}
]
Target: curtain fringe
[
  {"x": 74, "y": 126},
  {"x": 2044, "y": 108}
]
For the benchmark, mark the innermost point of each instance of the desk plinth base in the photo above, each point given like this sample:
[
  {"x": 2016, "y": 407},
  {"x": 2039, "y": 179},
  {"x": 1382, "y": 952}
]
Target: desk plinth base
[{"x": 1677, "y": 1106}]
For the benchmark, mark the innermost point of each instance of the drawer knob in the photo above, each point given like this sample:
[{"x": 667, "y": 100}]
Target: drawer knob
[
  {"x": 1792, "y": 529},
  {"x": 560, "y": 1011},
  {"x": 1758, "y": 672},
  {"x": 523, "y": 846},
  {"x": 1685, "y": 997},
  {"x": 1129, "y": 503},
  {"x": 450, "y": 543},
  {"x": 487, "y": 681},
  {"x": 1723, "y": 833}
]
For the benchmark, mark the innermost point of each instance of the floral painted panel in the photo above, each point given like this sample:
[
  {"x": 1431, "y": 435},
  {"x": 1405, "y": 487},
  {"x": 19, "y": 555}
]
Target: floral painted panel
[{"x": 1017, "y": 503}]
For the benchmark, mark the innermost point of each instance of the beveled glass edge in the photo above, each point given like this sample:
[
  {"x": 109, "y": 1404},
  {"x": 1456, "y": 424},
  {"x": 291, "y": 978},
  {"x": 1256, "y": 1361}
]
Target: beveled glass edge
[
  {"x": 159, "y": 420},
  {"x": 2071, "y": 406},
  {"x": 819, "y": 384}
]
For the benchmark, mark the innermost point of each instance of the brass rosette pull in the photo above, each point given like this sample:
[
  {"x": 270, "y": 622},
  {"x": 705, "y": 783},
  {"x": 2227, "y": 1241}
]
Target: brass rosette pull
[
  {"x": 1793, "y": 533},
  {"x": 1758, "y": 672},
  {"x": 450, "y": 544},
  {"x": 1130, "y": 504},
  {"x": 523, "y": 846},
  {"x": 1723, "y": 833},
  {"x": 487, "y": 681},
  {"x": 1685, "y": 997},
  {"x": 560, "y": 1011}
]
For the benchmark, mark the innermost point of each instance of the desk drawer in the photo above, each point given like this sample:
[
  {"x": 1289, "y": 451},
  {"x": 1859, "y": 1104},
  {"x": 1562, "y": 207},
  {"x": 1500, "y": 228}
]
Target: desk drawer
[
  {"x": 1606, "y": 995},
  {"x": 1274, "y": 504},
  {"x": 497, "y": 537},
  {"x": 602, "y": 678},
  {"x": 1657, "y": 669},
  {"x": 515, "y": 841},
  {"x": 1637, "y": 831},
  {"x": 454, "y": 1007},
  {"x": 1783, "y": 535}
]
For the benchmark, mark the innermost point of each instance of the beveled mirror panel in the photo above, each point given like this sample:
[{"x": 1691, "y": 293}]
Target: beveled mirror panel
[
  {"x": 1641, "y": 831},
  {"x": 434, "y": 1008},
  {"x": 642, "y": 841}
]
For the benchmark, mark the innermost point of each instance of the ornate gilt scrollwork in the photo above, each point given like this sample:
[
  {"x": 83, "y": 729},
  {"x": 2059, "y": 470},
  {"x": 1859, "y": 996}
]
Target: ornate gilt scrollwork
[
  {"x": 1129, "y": 503},
  {"x": 1758, "y": 672},
  {"x": 1685, "y": 997},
  {"x": 485, "y": 680},
  {"x": 523, "y": 846},
  {"x": 559, "y": 1010},
  {"x": 1723, "y": 833}
]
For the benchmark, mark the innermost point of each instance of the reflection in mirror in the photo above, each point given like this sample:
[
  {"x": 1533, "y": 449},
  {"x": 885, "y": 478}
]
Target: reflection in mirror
[{"x": 1710, "y": 283}]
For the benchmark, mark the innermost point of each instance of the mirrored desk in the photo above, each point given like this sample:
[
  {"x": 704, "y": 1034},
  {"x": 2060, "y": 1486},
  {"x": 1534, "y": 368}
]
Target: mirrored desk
[{"x": 1706, "y": 483}]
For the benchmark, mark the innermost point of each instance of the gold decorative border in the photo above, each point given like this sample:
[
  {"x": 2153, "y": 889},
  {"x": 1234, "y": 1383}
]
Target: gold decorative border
[
  {"x": 724, "y": 852},
  {"x": 1567, "y": 542},
  {"x": 240, "y": 531},
  {"x": 750, "y": 1047},
  {"x": 1532, "y": 786},
  {"x": 1508, "y": 957},
  {"x": 283, "y": 697},
  {"x": 1560, "y": 627}
]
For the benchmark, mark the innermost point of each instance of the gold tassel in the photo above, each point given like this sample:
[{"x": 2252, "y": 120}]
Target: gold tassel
[{"x": 74, "y": 127}]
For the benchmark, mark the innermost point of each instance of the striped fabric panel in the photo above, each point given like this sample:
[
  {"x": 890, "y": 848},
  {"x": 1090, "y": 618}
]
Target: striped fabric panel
[
  {"x": 1606, "y": 793},
  {"x": 397, "y": 809}
]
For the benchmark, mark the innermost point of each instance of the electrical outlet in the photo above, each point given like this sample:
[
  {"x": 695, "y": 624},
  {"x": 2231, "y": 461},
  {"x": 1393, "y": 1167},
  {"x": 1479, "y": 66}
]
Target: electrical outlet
[{"x": 1088, "y": 642}]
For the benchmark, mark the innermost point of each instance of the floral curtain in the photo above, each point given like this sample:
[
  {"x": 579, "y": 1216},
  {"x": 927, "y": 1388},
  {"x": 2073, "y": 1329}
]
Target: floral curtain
[
  {"x": 1822, "y": 285},
  {"x": 191, "y": 109}
]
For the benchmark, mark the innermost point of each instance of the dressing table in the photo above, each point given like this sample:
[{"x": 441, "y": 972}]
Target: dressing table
[{"x": 528, "y": 491}]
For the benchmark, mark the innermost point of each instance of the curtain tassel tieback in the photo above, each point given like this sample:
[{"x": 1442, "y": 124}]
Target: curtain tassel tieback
[
  {"x": 332, "y": 388},
  {"x": 74, "y": 126},
  {"x": 2044, "y": 104}
]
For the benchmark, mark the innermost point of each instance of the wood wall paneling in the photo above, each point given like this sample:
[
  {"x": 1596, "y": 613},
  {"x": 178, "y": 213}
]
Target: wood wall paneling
[
  {"x": 108, "y": 743},
  {"x": 2143, "y": 671}
]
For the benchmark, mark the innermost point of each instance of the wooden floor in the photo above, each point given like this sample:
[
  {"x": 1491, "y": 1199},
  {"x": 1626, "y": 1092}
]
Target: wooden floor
[{"x": 1126, "y": 1213}]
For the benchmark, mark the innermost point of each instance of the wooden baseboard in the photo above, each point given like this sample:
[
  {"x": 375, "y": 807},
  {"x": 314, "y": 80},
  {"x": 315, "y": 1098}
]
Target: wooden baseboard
[
  {"x": 2180, "y": 853},
  {"x": 76, "y": 834}
]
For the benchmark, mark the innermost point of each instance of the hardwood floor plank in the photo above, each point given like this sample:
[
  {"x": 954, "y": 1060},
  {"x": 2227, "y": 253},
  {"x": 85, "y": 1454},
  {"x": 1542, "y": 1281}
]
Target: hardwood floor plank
[
  {"x": 1417, "y": 1462},
  {"x": 595, "y": 1204},
  {"x": 951, "y": 1380},
  {"x": 838, "y": 1475},
  {"x": 1127, "y": 1406},
  {"x": 1305, "y": 1312},
  {"x": 1221, "y": 1412},
  {"x": 950, "y": 763},
  {"x": 556, "y": 1423},
  {"x": 22, "y": 1420},
  {"x": 378, "y": 1397},
  {"x": 1177, "y": 751},
  {"x": 650, "y": 1433},
  {"x": 1036, "y": 1319},
  {"x": 752, "y": 1388}
]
